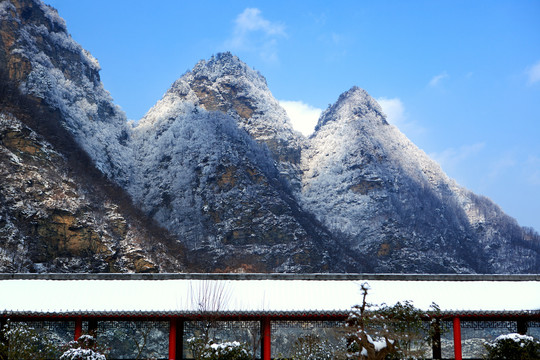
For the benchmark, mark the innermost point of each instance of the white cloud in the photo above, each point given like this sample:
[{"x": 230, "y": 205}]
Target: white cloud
[
  {"x": 533, "y": 73},
  {"x": 252, "y": 32},
  {"x": 394, "y": 110},
  {"x": 438, "y": 78},
  {"x": 397, "y": 115},
  {"x": 303, "y": 117},
  {"x": 450, "y": 158}
]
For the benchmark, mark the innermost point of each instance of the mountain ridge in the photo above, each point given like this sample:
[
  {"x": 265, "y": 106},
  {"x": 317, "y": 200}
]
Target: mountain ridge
[
  {"x": 217, "y": 164},
  {"x": 59, "y": 209}
]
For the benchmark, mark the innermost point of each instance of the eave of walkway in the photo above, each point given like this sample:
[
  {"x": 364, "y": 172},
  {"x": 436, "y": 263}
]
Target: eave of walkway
[
  {"x": 268, "y": 276},
  {"x": 251, "y": 295}
]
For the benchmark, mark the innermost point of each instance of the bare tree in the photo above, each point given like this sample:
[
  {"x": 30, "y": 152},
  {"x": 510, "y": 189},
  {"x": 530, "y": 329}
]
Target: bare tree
[{"x": 209, "y": 297}]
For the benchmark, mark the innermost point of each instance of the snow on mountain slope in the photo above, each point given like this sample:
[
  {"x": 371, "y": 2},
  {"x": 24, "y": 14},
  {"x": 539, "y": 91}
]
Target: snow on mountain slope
[
  {"x": 226, "y": 84},
  {"x": 364, "y": 178},
  {"x": 48, "y": 64},
  {"x": 212, "y": 168}
]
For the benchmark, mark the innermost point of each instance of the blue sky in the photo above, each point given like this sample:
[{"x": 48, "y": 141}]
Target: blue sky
[{"x": 460, "y": 78}]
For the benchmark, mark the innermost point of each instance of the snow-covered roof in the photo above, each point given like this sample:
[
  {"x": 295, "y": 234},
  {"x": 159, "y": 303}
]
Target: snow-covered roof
[{"x": 169, "y": 294}]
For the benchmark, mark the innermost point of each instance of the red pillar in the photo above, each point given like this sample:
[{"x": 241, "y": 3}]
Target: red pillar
[
  {"x": 172, "y": 339},
  {"x": 78, "y": 328},
  {"x": 457, "y": 339},
  {"x": 266, "y": 339}
]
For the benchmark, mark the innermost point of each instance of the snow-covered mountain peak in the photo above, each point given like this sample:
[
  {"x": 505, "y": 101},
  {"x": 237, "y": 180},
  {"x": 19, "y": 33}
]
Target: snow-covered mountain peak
[
  {"x": 46, "y": 63},
  {"x": 33, "y": 10},
  {"x": 226, "y": 64},
  {"x": 223, "y": 83},
  {"x": 227, "y": 85},
  {"x": 353, "y": 104}
]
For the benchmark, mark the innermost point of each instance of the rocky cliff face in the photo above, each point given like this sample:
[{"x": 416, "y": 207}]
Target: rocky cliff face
[
  {"x": 217, "y": 165},
  {"x": 55, "y": 220},
  {"x": 44, "y": 62},
  {"x": 58, "y": 210}
]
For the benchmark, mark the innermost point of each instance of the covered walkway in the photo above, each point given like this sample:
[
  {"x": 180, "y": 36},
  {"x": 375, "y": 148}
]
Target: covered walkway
[{"x": 267, "y": 311}]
